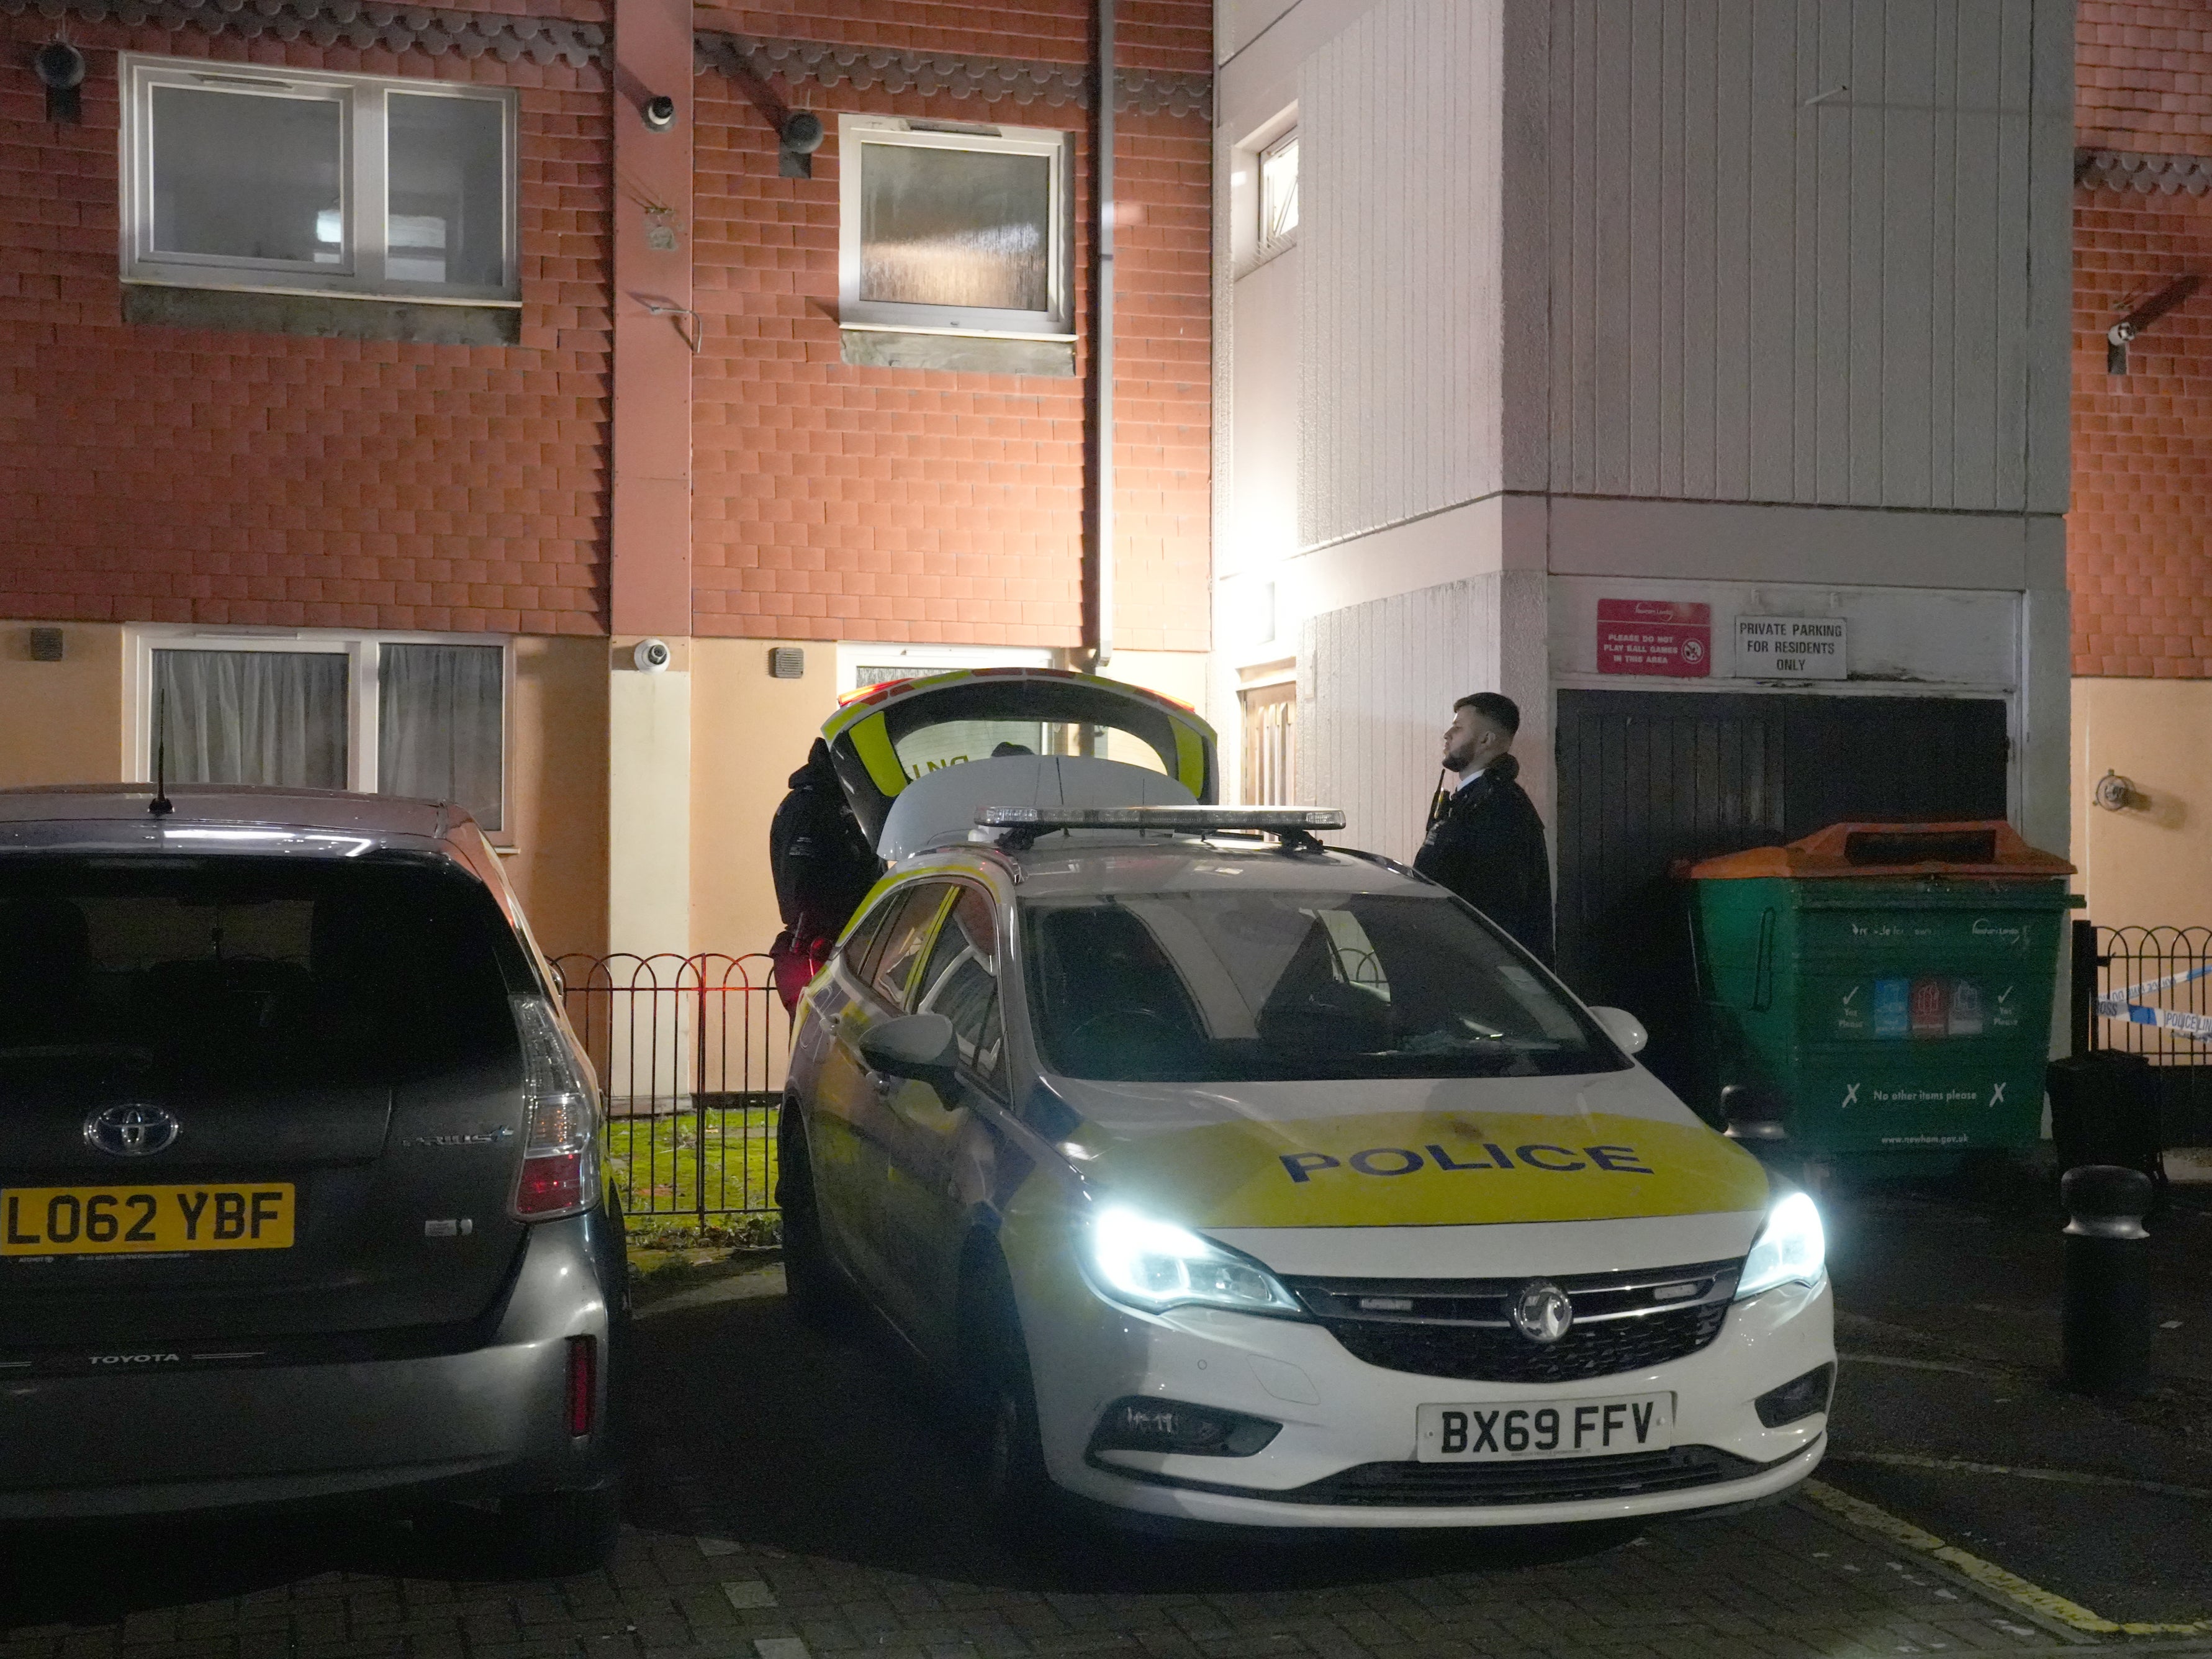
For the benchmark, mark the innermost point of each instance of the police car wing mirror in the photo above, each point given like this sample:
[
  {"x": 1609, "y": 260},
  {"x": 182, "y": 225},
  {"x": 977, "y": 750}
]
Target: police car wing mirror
[
  {"x": 1624, "y": 1028},
  {"x": 918, "y": 1047}
]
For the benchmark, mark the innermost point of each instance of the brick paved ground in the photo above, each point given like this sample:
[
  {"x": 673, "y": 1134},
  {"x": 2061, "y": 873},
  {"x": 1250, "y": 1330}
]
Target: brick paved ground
[{"x": 796, "y": 1498}]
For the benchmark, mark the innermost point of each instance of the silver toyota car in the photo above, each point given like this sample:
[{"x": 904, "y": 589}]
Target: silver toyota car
[{"x": 301, "y": 1184}]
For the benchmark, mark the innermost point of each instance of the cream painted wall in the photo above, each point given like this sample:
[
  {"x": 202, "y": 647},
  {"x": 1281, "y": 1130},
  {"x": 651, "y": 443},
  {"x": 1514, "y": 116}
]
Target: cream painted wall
[
  {"x": 2151, "y": 865},
  {"x": 556, "y": 785},
  {"x": 62, "y": 722},
  {"x": 749, "y": 733}
]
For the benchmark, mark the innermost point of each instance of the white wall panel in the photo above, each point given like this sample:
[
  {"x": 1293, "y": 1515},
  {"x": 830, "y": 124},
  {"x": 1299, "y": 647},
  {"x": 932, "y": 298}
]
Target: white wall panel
[
  {"x": 1377, "y": 683},
  {"x": 1398, "y": 241},
  {"x": 1805, "y": 251}
]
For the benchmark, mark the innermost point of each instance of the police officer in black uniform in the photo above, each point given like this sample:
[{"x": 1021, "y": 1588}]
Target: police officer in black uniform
[{"x": 1484, "y": 841}]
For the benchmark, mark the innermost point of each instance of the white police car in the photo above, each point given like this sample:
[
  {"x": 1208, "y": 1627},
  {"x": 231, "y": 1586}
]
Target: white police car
[{"x": 1241, "y": 1179}]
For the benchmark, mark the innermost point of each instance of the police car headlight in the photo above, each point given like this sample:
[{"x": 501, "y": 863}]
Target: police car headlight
[
  {"x": 1154, "y": 1265},
  {"x": 1791, "y": 1248}
]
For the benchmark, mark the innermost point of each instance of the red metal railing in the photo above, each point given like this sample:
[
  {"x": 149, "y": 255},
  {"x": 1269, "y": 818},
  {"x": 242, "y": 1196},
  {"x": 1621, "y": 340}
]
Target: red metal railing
[{"x": 689, "y": 1052}]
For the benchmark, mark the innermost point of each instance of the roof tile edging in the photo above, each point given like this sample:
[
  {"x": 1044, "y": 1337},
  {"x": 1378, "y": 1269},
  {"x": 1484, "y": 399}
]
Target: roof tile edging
[
  {"x": 1148, "y": 92},
  {"x": 2169, "y": 175},
  {"x": 363, "y": 24}
]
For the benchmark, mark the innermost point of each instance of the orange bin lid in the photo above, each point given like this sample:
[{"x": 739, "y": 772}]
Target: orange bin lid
[{"x": 1985, "y": 847}]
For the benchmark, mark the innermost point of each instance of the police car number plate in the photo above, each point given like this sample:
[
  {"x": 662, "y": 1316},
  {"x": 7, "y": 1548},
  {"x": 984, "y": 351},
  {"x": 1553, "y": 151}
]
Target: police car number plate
[{"x": 1551, "y": 1428}]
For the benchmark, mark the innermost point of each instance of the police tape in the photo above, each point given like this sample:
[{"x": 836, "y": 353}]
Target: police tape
[
  {"x": 2196, "y": 1026},
  {"x": 2124, "y": 1004}
]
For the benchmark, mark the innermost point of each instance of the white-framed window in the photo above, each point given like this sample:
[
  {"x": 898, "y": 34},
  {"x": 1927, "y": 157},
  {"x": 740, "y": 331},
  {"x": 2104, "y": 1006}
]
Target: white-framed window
[
  {"x": 1279, "y": 191},
  {"x": 416, "y": 714},
  {"x": 297, "y": 181},
  {"x": 954, "y": 229}
]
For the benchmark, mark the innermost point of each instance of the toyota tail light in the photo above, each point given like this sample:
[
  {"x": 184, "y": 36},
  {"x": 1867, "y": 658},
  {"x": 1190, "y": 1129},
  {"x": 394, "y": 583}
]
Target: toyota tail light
[{"x": 560, "y": 1172}]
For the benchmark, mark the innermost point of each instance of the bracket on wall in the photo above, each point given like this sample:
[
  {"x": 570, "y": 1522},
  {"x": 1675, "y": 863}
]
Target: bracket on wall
[
  {"x": 2121, "y": 333},
  {"x": 660, "y": 306}
]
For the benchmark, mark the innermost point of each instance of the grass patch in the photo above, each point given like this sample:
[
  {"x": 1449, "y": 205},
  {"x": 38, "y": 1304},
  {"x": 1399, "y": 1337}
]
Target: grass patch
[{"x": 665, "y": 1165}]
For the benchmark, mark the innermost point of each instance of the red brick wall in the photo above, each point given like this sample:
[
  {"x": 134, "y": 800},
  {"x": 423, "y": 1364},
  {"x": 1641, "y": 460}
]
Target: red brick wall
[
  {"x": 159, "y": 474},
  {"x": 2142, "y": 75},
  {"x": 2139, "y": 535},
  {"x": 907, "y": 505}
]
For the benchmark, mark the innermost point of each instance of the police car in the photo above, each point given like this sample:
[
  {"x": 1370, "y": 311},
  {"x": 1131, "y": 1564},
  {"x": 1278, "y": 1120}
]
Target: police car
[{"x": 1237, "y": 1178}]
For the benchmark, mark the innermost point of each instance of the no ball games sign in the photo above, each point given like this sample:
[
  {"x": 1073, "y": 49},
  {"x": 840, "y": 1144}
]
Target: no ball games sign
[{"x": 1791, "y": 647}]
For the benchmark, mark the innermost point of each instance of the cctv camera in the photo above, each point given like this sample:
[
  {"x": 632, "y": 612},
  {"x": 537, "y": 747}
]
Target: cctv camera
[
  {"x": 651, "y": 655},
  {"x": 60, "y": 66},
  {"x": 660, "y": 112}
]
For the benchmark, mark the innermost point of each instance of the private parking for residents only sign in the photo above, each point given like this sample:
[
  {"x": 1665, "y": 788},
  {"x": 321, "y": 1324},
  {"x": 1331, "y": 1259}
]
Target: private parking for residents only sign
[{"x": 1790, "y": 648}]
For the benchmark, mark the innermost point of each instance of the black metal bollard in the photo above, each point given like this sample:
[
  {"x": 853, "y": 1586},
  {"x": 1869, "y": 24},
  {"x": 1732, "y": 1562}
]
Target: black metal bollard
[{"x": 2107, "y": 1316}]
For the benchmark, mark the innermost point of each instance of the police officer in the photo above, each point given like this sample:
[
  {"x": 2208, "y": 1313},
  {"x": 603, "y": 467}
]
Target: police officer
[
  {"x": 1484, "y": 841},
  {"x": 822, "y": 868}
]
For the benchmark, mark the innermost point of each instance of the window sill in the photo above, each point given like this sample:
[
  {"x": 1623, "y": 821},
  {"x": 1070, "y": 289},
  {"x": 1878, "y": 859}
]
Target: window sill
[
  {"x": 874, "y": 345},
  {"x": 327, "y": 316}
]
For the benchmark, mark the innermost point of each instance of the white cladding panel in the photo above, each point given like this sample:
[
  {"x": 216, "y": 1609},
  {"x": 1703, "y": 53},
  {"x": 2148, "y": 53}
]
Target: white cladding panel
[
  {"x": 1810, "y": 251},
  {"x": 1399, "y": 289},
  {"x": 1903, "y": 640},
  {"x": 1377, "y": 683}
]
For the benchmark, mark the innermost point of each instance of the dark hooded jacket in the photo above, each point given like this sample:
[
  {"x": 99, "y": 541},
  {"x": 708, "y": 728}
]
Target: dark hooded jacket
[
  {"x": 1486, "y": 844},
  {"x": 822, "y": 864}
]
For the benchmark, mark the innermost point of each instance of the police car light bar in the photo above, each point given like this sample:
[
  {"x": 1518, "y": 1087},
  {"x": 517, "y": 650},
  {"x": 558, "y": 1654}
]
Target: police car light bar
[{"x": 1294, "y": 824}]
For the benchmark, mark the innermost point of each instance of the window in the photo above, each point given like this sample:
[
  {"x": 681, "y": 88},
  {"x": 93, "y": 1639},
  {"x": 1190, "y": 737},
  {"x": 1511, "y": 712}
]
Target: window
[
  {"x": 903, "y": 940},
  {"x": 423, "y": 717},
  {"x": 961, "y": 981},
  {"x": 1270, "y": 713},
  {"x": 954, "y": 228},
  {"x": 294, "y": 181},
  {"x": 236, "y": 969},
  {"x": 1279, "y": 189},
  {"x": 1235, "y": 984}
]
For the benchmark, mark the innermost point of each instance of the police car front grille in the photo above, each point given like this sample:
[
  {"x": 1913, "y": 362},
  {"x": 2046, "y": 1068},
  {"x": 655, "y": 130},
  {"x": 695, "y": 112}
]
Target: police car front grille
[
  {"x": 1540, "y": 1480},
  {"x": 1460, "y": 1328}
]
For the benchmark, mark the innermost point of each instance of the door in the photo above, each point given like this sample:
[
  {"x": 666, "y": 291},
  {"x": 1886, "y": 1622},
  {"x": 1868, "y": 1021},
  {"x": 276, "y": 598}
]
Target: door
[
  {"x": 849, "y": 1127},
  {"x": 943, "y": 1153},
  {"x": 1646, "y": 778}
]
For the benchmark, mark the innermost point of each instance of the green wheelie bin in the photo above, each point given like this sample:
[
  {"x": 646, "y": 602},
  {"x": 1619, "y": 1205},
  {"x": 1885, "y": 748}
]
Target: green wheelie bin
[{"x": 1880, "y": 994}]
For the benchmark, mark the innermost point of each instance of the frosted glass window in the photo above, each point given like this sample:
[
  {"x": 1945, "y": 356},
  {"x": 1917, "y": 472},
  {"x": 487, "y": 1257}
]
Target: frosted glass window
[
  {"x": 241, "y": 175},
  {"x": 955, "y": 228},
  {"x": 440, "y": 726},
  {"x": 446, "y": 179},
  {"x": 277, "y": 717}
]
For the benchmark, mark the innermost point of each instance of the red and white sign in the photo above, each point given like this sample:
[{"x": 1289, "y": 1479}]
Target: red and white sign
[{"x": 1654, "y": 636}]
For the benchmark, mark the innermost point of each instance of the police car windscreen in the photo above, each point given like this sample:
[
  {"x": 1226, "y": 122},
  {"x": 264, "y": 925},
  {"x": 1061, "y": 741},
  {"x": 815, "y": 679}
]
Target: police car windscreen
[{"x": 1258, "y": 985}]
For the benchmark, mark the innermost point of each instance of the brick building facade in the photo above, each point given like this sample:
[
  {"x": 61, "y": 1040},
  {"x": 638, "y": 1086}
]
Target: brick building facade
[
  {"x": 185, "y": 471},
  {"x": 2138, "y": 557}
]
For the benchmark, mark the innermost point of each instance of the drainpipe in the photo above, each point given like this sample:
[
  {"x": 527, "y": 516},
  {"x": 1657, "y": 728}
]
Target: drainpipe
[{"x": 1099, "y": 517}]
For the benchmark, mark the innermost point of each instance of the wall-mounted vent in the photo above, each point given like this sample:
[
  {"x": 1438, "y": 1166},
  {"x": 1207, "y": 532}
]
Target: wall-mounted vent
[{"x": 786, "y": 662}]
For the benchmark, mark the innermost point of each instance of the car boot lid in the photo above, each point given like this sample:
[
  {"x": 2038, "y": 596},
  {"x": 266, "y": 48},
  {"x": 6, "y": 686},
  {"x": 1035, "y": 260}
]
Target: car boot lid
[{"x": 887, "y": 736}]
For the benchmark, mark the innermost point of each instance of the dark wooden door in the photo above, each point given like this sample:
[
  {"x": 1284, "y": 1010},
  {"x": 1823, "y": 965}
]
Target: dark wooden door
[{"x": 1646, "y": 778}]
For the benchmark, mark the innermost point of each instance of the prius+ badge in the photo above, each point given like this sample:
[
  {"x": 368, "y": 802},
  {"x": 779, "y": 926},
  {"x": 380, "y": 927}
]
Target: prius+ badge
[
  {"x": 1542, "y": 1311},
  {"x": 132, "y": 1131}
]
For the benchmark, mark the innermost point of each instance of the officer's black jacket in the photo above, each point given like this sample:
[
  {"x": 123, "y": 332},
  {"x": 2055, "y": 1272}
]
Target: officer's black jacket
[{"x": 1486, "y": 844}]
